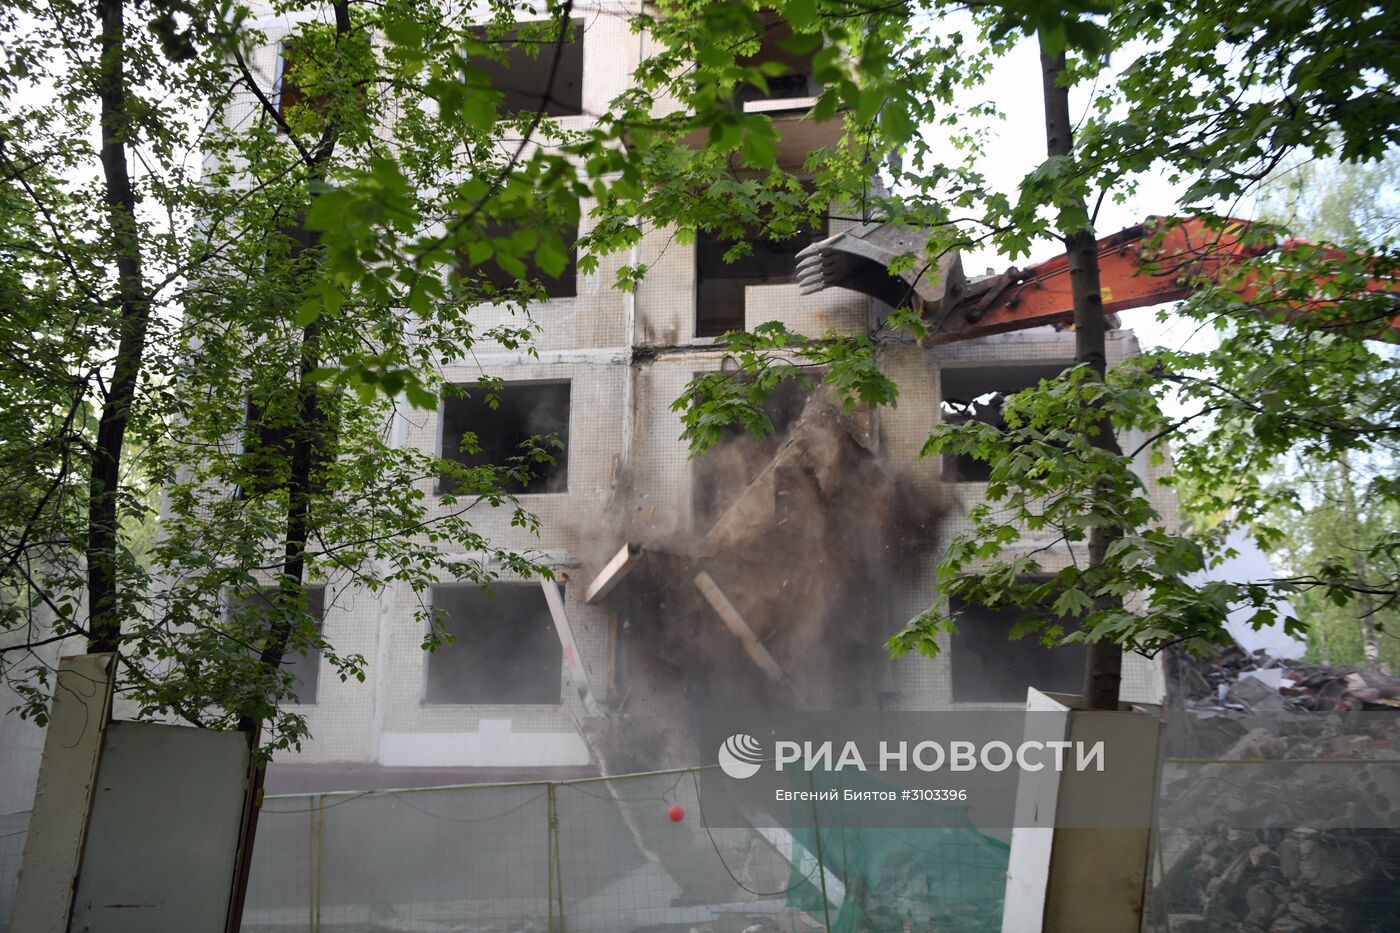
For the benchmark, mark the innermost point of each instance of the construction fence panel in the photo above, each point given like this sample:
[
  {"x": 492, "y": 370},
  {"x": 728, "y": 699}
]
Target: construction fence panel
[
  {"x": 450, "y": 858},
  {"x": 1283, "y": 824},
  {"x": 14, "y": 830},
  {"x": 1292, "y": 826},
  {"x": 612, "y": 855}
]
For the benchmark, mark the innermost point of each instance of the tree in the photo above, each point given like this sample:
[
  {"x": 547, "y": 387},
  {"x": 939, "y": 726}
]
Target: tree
[
  {"x": 1201, "y": 130},
  {"x": 1329, "y": 525},
  {"x": 173, "y": 328},
  {"x": 1332, "y": 515},
  {"x": 1104, "y": 661},
  {"x": 79, "y": 307}
]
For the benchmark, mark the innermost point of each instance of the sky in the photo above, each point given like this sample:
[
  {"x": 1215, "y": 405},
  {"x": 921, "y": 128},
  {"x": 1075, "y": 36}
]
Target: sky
[{"x": 1015, "y": 86}]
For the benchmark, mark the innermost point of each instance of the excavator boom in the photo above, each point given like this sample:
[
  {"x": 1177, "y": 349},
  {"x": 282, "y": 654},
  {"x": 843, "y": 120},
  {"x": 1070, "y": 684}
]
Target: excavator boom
[{"x": 1150, "y": 264}]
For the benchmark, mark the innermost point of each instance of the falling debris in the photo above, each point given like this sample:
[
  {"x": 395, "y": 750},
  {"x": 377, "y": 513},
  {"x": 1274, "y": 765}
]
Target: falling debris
[
  {"x": 782, "y": 601},
  {"x": 736, "y": 624},
  {"x": 573, "y": 661},
  {"x": 613, "y": 573},
  {"x": 802, "y": 564}
]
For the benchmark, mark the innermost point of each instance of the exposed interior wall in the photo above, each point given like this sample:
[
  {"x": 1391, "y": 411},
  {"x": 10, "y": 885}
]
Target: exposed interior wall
[
  {"x": 718, "y": 476},
  {"x": 792, "y": 77},
  {"x": 562, "y": 285},
  {"x": 720, "y": 285},
  {"x": 977, "y": 393},
  {"x": 988, "y": 666}
]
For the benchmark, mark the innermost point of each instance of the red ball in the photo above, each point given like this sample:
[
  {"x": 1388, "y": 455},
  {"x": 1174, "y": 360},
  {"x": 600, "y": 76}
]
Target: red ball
[{"x": 676, "y": 814}]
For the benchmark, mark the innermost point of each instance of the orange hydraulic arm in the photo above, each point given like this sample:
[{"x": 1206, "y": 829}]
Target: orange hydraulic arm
[{"x": 1137, "y": 268}]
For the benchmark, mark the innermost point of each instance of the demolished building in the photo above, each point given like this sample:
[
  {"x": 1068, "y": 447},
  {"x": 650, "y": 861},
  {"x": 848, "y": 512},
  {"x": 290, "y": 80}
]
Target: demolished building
[{"x": 767, "y": 571}]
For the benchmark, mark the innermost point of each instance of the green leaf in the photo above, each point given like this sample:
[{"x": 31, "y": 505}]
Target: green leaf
[
  {"x": 801, "y": 14},
  {"x": 760, "y": 145},
  {"x": 478, "y": 109},
  {"x": 896, "y": 122},
  {"x": 308, "y": 312},
  {"x": 550, "y": 255},
  {"x": 478, "y": 251},
  {"x": 403, "y": 30},
  {"x": 419, "y": 397},
  {"x": 1053, "y": 39}
]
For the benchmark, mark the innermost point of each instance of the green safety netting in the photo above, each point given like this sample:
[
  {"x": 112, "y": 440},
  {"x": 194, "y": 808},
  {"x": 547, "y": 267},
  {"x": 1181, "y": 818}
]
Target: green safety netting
[{"x": 943, "y": 875}]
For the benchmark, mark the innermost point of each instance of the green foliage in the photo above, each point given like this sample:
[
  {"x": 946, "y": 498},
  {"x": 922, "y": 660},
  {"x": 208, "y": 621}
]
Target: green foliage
[
  {"x": 768, "y": 356},
  {"x": 1331, "y": 536},
  {"x": 1222, "y": 93},
  {"x": 1049, "y": 487},
  {"x": 327, "y": 258},
  {"x": 1335, "y": 515},
  {"x": 286, "y": 345},
  {"x": 1316, "y": 387}
]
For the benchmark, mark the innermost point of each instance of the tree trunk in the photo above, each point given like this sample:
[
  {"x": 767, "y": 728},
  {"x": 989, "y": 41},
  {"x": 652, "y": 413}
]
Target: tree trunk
[
  {"x": 1104, "y": 661},
  {"x": 1365, "y": 602},
  {"x": 291, "y": 583},
  {"x": 133, "y": 316},
  {"x": 290, "y": 586}
]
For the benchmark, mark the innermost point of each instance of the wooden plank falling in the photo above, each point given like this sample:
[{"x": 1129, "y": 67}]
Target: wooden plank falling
[
  {"x": 736, "y": 624},
  {"x": 572, "y": 660},
  {"x": 617, "y": 567}
]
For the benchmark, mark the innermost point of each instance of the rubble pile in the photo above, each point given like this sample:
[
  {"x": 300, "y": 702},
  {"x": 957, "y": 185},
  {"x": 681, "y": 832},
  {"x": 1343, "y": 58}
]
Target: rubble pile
[
  {"x": 1274, "y": 822},
  {"x": 1303, "y": 881},
  {"x": 1257, "y": 683}
]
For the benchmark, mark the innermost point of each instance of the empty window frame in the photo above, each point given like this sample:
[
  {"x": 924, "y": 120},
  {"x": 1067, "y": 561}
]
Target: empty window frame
[
  {"x": 977, "y": 393},
  {"x": 795, "y": 80},
  {"x": 504, "y": 649},
  {"x": 525, "y": 410},
  {"x": 285, "y": 93},
  {"x": 564, "y": 285},
  {"x": 304, "y": 668},
  {"x": 988, "y": 667},
  {"x": 719, "y": 285},
  {"x": 524, "y": 76}
]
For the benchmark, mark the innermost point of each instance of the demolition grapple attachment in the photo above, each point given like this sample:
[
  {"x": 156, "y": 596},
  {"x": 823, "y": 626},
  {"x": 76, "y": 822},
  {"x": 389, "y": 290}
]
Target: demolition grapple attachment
[{"x": 860, "y": 259}]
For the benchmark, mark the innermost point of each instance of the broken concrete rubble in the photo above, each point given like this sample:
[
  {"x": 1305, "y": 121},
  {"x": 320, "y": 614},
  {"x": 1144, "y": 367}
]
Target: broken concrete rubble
[
  {"x": 1294, "y": 881},
  {"x": 1256, "y": 682}
]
